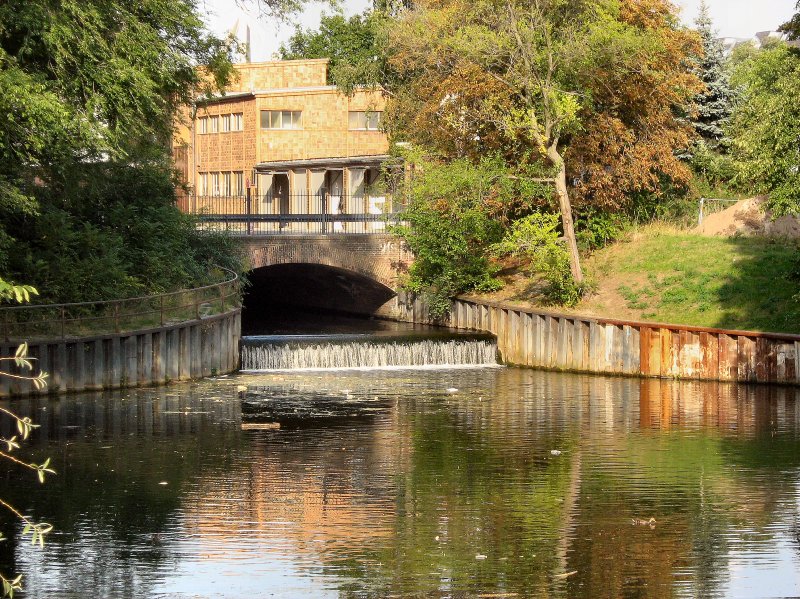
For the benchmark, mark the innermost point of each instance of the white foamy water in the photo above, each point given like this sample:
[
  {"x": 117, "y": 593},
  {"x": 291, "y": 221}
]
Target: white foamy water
[{"x": 285, "y": 354}]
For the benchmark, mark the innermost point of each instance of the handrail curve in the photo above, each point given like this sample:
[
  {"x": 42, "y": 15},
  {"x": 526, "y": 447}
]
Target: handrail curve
[{"x": 82, "y": 319}]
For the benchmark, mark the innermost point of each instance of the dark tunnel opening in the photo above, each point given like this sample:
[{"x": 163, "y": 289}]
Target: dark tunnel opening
[{"x": 311, "y": 298}]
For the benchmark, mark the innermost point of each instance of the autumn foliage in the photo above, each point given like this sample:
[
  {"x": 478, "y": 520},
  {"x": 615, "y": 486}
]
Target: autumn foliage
[
  {"x": 630, "y": 74},
  {"x": 633, "y": 128}
]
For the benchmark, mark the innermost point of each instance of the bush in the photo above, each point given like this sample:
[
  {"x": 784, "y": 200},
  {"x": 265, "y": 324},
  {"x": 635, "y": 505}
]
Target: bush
[
  {"x": 536, "y": 239},
  {"x": 596, "y": 229},
  {"x": 449, "y": 228},
  {"x": 114, "y": 231}
]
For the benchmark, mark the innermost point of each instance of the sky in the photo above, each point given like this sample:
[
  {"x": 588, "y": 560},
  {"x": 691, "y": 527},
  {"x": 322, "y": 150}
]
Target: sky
[{"x": 732, "y": 18}]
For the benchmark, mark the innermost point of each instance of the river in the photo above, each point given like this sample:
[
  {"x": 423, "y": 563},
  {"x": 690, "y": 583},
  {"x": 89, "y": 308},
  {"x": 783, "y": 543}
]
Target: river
[{"x": 467, "y": 482}]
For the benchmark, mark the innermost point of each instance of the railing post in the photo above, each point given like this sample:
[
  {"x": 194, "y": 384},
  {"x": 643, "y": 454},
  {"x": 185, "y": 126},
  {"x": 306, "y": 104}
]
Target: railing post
[
  {"x": 196, "y": 306},
  {"x": 63, "y": 322},
  {"x": 700, "y": 219},
  {"x": 222, "y": 298},
  {"x": 162, "y": 310},
  {"x": 324, "y": 226},
  {"x": 249, "y": 210},
  {"x": 116, "y": 318}
]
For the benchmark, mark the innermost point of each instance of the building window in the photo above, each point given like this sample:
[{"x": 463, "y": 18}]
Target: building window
[
  {"x": 238, "y": 184},
  {"x": 364, "y": 120},
  {"x": 214, "y": 191},
  {"x": 203, "y": 125},
  {"x": 202, "y": 184},
  {"x": 281, "y": 119},
  {"x": 213, "y": 124},
  {"x": 236, "y": 122},
  {"x": 226, "y": 184},
  {"x": 226, "y": 123}
]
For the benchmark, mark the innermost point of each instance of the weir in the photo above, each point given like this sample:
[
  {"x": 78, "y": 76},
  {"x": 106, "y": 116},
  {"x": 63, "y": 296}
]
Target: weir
[{"x": 352, "y": 351}]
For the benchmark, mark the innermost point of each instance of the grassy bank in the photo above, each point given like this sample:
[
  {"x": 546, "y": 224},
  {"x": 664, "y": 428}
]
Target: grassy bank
[{"x": 666, "y": 275}]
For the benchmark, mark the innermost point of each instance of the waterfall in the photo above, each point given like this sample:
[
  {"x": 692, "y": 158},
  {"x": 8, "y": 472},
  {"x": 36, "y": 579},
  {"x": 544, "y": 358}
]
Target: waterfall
[{"x": 293, "y": 352}]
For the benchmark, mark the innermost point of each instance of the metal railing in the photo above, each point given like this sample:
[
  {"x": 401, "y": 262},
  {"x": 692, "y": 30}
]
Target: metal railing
[
  {"x": 322, "y": 213},
  {"x": 709, "y": 206},
  {"x": 86, "y": 319}
]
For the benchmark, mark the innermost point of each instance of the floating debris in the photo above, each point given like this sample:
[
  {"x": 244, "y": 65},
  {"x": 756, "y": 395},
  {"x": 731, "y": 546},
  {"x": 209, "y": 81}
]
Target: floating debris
[
  {"x": 163, "y": 482},
  {"x": 566, "y": 574},
  {"x": 260, "y": 426},
  {"x": 641, "y": 522},
  {"x": 451, "y": 390},
  {"x": 555, "y": 452},
  {"x": 480, "y": 556}
]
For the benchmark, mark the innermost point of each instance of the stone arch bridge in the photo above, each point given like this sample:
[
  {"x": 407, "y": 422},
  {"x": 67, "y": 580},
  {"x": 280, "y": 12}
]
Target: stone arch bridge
[{"x": 348, "y": 273}]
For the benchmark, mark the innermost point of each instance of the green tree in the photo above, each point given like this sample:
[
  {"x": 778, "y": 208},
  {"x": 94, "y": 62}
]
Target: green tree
[
  {"x": 91, "y": 93},
  {"x": 527, "y": 79},
  {"x": 354, "y": 46},
  {"x": 792, "y": 27},
  {"x": 765, "y": 125},
  {"x": 713, "y": 105},
  {"x": 449, "y": 228}
]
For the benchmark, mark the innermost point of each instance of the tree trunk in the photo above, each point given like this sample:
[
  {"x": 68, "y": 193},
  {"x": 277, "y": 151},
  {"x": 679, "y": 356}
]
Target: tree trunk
[{"x": 566, "y": 213}]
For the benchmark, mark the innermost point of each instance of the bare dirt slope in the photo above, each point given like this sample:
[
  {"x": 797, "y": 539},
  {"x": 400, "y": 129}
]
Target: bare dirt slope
[{"x": 749, "y": 218}]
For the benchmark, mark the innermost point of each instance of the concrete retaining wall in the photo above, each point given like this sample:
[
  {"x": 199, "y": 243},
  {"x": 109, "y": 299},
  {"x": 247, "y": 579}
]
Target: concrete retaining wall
[
  {"x": 556, "y": 341},
  {"x": 179, "y": 352}
]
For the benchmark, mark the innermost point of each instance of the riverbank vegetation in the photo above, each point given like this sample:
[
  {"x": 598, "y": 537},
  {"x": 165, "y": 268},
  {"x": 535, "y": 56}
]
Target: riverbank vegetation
[
  {"x": 87, "y": 196},
  {"x": 662, "y": 273},
  {"x": 607, "y": 115}
]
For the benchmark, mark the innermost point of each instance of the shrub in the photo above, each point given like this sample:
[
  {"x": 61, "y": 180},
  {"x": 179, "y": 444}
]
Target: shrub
[
  {"x": 449, "y": 227},
  {"x": 536, "y": 239}
]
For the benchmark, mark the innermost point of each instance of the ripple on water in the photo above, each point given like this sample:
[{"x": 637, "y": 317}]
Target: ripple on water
[{"x": 391, "y": 484}]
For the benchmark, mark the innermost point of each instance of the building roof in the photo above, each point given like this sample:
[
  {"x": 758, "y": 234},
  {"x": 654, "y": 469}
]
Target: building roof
[
  {"x": 283, "y": 165},
  {"x": 265, "y": 92},
  {"x": 223, "y": 97}
]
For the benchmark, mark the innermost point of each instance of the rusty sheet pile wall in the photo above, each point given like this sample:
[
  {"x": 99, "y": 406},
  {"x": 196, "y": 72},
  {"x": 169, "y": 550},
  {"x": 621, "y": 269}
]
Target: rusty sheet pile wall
[{"x": 576, "y": 343}]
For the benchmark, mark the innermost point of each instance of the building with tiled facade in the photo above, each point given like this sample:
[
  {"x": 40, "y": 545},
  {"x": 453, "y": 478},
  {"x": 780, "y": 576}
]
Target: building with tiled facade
[{"x": 297, "y": 144}]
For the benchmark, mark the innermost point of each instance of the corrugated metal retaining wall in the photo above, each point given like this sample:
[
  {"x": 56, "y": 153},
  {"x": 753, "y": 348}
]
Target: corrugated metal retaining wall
[
  {"x": 179, "y": 352},
  {"x": 576, "y": 343}
]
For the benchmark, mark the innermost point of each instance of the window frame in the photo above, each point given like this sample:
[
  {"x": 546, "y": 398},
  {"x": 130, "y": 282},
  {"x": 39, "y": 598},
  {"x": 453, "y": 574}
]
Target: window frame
[
  {"x": 295, "y": 120},
  {"x": 202, "y": 184},
  {"x": 365, "y": 117},
  {"x": 225, "y": 184},
  {"x": 237, "y": 121}
]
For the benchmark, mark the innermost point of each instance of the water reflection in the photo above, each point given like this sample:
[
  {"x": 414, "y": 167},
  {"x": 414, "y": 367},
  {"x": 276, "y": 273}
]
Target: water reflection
[{"x": 437, "y": 484}]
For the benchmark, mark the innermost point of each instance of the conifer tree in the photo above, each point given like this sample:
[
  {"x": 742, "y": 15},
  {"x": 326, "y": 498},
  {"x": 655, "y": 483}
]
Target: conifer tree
[{"x": 713, "y": 106}]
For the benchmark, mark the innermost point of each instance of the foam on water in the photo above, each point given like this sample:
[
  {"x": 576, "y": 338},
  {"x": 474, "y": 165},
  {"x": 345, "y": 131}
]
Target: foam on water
[{"x": 269, "y": 353}]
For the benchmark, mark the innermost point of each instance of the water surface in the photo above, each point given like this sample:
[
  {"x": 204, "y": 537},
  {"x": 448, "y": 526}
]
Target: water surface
[{"x": 439, "y": 483}]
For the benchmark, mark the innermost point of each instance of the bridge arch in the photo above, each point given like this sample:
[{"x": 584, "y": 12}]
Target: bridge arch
[
  {"x": 294, "y": 295},
  {"x": 382, "y": 258}
]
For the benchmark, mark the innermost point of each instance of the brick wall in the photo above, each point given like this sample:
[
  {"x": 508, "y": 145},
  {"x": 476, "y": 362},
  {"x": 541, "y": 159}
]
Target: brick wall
[
  {"x": 280, "y": 74},
  {"x": 324, "y": 132},
  {"x": 233, "y": 150}
]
